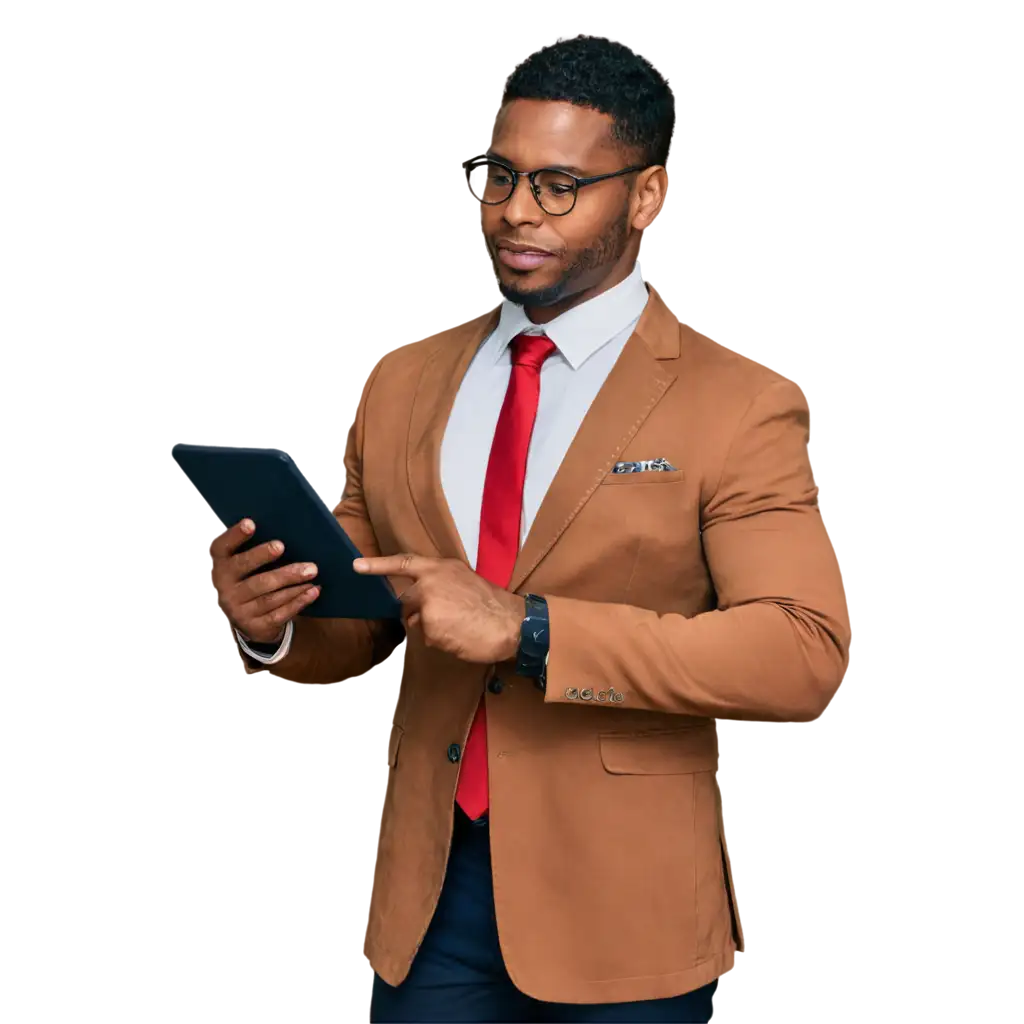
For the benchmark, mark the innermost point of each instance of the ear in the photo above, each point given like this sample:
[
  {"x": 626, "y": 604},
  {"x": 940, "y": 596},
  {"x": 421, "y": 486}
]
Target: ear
[{"x": 649, "y": 196}]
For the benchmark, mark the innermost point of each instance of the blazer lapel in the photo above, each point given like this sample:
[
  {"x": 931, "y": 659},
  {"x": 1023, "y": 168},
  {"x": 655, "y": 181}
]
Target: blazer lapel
[
  {"x": 432, "y": 405},
  {"x": 634, "y": 387}
]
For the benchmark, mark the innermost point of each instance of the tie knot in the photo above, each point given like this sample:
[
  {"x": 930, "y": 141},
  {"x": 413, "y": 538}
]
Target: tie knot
[{"x": 531, "y": 350}]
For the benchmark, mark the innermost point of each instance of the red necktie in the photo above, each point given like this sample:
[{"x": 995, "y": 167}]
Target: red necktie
[{"x": 500, "y": 520}]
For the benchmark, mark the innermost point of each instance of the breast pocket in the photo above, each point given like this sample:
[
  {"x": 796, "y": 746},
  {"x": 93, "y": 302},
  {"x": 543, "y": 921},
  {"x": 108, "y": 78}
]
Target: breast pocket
[
  {"x": 643, "y": 478},
  {"x": 672, "y": 752},
  {"x": 656, "y": 516}
]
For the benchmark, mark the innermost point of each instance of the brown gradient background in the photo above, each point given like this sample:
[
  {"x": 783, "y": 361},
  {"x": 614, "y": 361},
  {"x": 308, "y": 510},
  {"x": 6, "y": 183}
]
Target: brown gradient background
[{"x": 208, "y": 221}]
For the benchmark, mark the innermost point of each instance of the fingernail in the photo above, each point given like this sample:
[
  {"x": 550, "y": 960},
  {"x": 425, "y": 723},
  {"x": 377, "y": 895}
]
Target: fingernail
[
  {"x": 277, "y": 547},
  {"x": 248, "y": 526},
  {"x": 312, "y": 592},
  {"x": 309, "y": 570},
  {"x": 359, "y": 564}
]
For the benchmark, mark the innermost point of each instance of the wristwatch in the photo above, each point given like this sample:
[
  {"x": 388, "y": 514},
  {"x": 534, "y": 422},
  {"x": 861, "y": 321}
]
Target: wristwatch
[{"x": 534, "y": 641}]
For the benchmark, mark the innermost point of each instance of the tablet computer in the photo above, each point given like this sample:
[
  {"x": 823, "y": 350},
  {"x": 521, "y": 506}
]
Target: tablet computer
[{"x": 264, "y": 485}]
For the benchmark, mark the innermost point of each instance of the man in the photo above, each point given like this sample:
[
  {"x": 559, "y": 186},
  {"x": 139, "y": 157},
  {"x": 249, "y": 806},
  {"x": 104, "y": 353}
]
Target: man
[{"x": 604, "y": 530}]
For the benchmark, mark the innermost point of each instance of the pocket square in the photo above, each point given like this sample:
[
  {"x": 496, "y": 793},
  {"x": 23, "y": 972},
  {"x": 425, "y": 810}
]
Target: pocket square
[{"x": 644, "y": 466}]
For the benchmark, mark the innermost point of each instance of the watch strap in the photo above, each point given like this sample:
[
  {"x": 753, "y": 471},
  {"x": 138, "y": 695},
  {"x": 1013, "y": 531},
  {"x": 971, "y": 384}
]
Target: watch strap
[{"x": 534, "y": 640}]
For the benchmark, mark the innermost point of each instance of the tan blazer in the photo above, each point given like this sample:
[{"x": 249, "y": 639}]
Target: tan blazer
[{"x": 675, "y": 598}]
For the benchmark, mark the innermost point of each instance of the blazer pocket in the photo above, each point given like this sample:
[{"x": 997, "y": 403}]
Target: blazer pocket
[
  {"x": 648, "y": 476},
  {"x": 671, "y": 752}
]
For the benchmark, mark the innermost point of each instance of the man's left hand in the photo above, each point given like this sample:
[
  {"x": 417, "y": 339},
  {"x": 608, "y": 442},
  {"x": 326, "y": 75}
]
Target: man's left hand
[{"x": 456, "y": 610}]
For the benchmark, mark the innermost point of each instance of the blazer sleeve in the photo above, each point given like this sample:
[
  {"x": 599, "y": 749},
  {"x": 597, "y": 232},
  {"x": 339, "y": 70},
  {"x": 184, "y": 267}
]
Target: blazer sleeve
[
  {"x": 330, "y": 650},
  {"x": 776, "y": 648}
]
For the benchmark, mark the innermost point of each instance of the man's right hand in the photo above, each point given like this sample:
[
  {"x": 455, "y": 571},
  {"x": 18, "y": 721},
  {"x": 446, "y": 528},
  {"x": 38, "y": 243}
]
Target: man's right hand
[{"x": 259, "y": 606}]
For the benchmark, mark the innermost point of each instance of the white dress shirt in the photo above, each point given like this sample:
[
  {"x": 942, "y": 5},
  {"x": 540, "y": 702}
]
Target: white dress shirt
[{"x": 589, "y": 338}]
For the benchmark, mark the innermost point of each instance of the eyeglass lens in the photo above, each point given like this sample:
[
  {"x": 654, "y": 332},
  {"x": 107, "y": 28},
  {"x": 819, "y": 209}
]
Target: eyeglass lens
[{"x": 492, "y": 183}]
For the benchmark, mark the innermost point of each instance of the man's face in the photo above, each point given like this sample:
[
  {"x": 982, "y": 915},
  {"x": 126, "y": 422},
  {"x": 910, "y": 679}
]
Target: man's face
[{"x": 573, "y": 253}]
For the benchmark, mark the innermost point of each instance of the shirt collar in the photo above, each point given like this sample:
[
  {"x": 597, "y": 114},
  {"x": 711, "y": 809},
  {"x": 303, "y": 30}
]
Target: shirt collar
[{"x": 578, "y": 332}]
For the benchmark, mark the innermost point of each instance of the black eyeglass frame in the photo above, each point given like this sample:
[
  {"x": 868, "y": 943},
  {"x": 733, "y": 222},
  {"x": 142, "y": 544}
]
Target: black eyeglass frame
[{"x": 578, "y": 183}]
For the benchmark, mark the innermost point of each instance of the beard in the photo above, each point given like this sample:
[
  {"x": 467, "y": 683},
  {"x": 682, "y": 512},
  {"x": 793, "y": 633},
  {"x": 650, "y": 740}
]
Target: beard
[{"x": 604, "y": 251}]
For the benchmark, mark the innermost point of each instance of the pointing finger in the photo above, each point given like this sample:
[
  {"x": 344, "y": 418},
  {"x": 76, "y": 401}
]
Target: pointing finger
[{"x": 411, "y": 566}]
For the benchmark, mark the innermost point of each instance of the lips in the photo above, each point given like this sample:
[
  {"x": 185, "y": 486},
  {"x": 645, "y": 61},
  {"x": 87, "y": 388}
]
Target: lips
[{"x": 522, "y": 257}]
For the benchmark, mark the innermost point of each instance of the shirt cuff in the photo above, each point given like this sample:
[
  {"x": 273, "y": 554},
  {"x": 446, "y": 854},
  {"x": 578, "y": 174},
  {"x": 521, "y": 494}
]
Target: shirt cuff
[{"x": 267, "y": 659}]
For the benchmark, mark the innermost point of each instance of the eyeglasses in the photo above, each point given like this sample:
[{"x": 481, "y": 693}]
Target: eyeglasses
[{"x": 493, "y": 182}]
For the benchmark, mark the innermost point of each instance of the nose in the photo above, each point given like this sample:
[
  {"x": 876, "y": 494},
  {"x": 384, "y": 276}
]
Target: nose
[{"x": 521, "y": 207}]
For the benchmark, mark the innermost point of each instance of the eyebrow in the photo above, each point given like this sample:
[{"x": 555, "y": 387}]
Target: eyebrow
[{"x": 568, "y": 168}]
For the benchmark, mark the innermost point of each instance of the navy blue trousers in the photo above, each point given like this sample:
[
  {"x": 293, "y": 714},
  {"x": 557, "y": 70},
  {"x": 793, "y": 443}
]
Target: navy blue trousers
[{"x": 459, "y": 975}]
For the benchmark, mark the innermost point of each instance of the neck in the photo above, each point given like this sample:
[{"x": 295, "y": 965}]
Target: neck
[{"x": 545, "y": 314}]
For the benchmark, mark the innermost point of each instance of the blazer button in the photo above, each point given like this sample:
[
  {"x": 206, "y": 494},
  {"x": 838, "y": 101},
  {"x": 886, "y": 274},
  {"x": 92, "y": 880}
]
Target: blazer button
[
  {"x": 454, "y": 753},
  {"x": 495, "y": 685}
]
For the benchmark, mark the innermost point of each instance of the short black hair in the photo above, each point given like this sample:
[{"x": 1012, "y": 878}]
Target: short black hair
[{"x": 594, "y": 72}]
